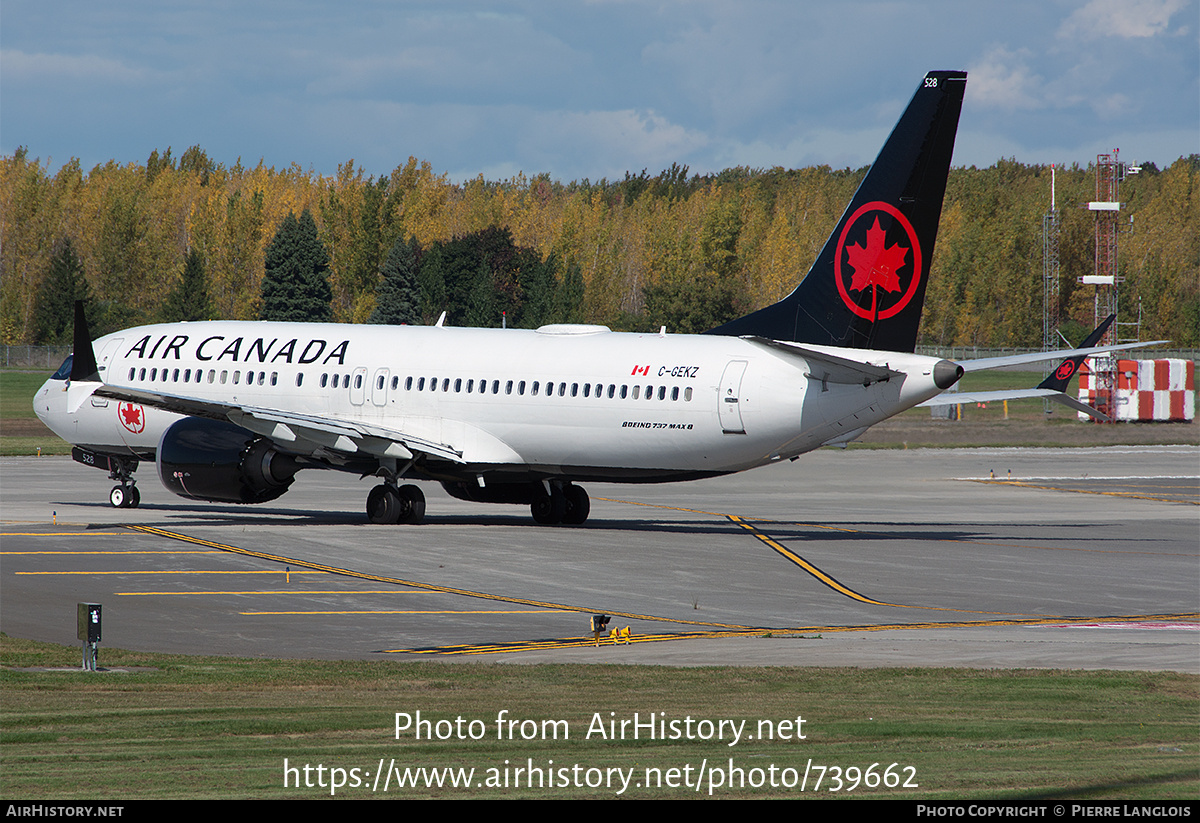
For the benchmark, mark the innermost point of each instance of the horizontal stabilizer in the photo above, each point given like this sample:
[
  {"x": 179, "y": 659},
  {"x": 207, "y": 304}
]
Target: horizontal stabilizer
[
  {"x": 829, "y": 368},
  {"x": 957, "y": 398},
  {"x": 985, "y": 363}
]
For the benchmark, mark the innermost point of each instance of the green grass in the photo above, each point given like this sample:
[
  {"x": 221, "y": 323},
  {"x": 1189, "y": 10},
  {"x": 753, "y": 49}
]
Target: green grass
[
  {"x": 191, "y": 727},
  {"x": 17, "y": 389},
  {"x": 21, "y": 433}
]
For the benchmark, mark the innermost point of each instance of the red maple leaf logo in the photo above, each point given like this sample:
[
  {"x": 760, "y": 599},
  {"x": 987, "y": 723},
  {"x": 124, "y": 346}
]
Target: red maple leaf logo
[
  {"x": 131, "y": 417},
  {"x": 876, "y": 264}
]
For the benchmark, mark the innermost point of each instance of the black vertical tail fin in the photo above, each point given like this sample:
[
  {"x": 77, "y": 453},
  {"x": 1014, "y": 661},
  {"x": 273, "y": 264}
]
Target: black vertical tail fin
[{"x": 867, "y": 287}]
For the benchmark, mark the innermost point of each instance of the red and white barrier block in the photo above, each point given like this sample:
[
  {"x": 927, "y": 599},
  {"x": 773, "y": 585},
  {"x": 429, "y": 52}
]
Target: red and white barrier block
[{"x": 1145, "y": 390}]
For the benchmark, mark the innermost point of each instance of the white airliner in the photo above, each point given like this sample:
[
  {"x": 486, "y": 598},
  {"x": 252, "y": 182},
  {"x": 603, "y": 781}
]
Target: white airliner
[{"x": 232, "y": 411}]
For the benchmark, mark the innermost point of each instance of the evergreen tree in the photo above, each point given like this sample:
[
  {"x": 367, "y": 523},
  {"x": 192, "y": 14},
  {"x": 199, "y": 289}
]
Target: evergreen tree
[
  {"x": 482, "y": 310},
  {"x": 399, "y": 298},
  {"x": 63, "y": 285},
  {"x": 190, "y": 300},
  {"x": 570, "y": 297},
  {"x": 296, "y": 284},
  {"x": 539, "y": 292}
]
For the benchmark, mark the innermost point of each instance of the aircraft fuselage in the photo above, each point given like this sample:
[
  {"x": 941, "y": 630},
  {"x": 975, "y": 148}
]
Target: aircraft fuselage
[{"x": 579, "y": 402}]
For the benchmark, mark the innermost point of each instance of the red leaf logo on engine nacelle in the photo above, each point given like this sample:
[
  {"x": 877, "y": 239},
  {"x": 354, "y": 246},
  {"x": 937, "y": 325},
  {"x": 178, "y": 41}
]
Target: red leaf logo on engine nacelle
[{"x": 132, "y": 417}]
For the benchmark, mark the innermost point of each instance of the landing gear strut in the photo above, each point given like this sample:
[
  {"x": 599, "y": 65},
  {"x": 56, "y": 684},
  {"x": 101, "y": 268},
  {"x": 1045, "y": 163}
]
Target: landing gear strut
[
  {"x": 567, "y": 504},
  {"x": 126, "y": 495},
  {"x": 387, "y": 504}
]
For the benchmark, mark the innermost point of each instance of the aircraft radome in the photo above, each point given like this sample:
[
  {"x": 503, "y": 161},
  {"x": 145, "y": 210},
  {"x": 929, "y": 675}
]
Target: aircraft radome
[{"x": 233, "y": 411}]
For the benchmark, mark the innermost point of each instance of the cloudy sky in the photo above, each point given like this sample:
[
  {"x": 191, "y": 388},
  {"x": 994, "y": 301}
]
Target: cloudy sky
[{"x": 590, "y": 89}]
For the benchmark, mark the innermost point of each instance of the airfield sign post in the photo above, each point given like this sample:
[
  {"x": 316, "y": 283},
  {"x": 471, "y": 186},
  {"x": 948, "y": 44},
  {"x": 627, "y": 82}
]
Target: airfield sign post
[{"x": 87, "y": 629}]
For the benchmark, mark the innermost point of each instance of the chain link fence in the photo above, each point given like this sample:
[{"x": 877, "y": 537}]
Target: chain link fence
[
  {"x": 41, "y": 358},
  {"x": 975, "y": 353}
]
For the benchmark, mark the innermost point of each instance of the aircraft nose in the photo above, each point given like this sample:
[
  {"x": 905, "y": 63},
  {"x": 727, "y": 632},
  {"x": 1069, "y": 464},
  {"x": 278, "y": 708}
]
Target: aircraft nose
[
  {"x": 946, "y": 373},
  {"x": 49, "y": 402}
]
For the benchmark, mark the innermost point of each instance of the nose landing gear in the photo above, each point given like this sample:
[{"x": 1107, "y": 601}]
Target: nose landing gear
[{"x": 125, "y": 496}]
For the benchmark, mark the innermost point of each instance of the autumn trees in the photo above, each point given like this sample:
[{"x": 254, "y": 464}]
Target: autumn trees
[{"x": 676, "y": 249}]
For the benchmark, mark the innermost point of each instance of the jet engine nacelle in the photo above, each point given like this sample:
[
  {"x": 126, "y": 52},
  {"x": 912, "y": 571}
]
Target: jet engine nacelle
[{"x": 220, "y": 462}]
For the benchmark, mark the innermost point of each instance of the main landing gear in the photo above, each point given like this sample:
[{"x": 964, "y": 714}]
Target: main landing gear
[
  {"x": 387, "y": 504},
  {"x": 550, "y": 502},
  {"x": 567, "y": 504}
]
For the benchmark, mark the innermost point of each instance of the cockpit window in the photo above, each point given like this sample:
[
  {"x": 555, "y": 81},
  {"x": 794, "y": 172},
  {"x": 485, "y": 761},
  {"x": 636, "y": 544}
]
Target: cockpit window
[{"x": 64, "y": 371}]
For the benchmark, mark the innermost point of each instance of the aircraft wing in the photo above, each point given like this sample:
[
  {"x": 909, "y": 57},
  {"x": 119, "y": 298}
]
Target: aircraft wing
[{"x": 286, "y": 427}]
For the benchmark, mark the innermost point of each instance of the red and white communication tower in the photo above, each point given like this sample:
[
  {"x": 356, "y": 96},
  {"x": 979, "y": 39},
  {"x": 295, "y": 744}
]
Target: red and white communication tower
[{"x": 1107, "y": 208}]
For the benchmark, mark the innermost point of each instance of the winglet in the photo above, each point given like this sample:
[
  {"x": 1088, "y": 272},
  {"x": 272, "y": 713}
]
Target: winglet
[
  {"x": 83, "y": 363},
  {"x": 1061, "y": 376}
]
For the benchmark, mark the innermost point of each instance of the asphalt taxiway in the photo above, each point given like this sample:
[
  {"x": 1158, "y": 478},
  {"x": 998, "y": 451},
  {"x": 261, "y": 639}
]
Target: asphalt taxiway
[{"x": 1060, "y": 558}]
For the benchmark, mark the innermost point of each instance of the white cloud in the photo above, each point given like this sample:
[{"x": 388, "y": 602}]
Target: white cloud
[
  {"x": 1004, "y": 80},
  {"x": 612, "y": 141},
  {"x": 1120, "y": 18}
]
